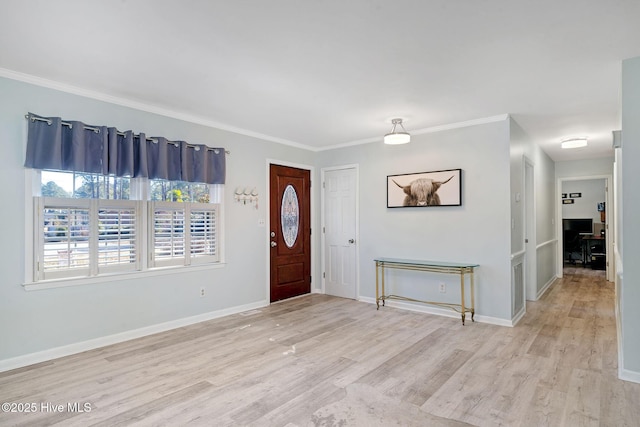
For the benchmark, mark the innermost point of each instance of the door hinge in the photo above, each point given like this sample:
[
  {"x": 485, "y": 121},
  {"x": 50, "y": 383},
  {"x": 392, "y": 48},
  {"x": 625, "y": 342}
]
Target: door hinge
[
  {"x": 324, "y": 275},
  {"x": 310, "y": 279},
  {"x": 323, "y": 230},
  {"x": 323, "y": 186}
]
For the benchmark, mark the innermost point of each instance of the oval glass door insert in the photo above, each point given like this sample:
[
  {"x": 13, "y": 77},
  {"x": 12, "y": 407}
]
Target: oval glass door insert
[{"x": 290, "y": 216}]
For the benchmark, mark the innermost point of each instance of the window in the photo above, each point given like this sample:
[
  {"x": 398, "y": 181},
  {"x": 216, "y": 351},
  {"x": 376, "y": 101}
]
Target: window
[
  {"x": 183, "y": 233},
  {"x": 118, "y": 236},
  {"x": 179, "y": 191},
  {"x": 121, "y": 204},
  {"x": 64, "y": 242},
  {"x": 89, "y": 224},
  {"x": 85, "y": 237},
  {"x": 204, "y": 234},
  {"x": 84, "y": 185}
]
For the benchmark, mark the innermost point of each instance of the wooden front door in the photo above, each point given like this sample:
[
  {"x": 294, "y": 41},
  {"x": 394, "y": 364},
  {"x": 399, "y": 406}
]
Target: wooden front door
[{"x": 290, "y": 231}]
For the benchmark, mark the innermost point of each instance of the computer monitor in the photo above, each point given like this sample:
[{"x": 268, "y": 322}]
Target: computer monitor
[{"x": 578, "y": 225}]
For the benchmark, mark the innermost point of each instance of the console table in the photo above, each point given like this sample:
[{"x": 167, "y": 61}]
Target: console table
[{"x": 429, "y": 266}]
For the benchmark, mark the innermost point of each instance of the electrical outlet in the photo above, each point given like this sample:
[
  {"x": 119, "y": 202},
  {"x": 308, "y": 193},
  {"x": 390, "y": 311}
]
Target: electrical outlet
[
  {"x": 202, "y": 291},
  {"x": 443, "y": 287}
]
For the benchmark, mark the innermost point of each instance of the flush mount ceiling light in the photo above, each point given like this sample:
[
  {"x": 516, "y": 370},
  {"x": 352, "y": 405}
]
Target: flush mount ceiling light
[
  {"x": 395, "y": 138},
  {"x": 574, "y": 142}
]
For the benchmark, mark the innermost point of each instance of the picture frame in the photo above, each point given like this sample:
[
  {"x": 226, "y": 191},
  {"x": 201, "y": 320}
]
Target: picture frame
[
  {"x": 568, "y": 201},
  {"x": 575, "y": 195},
  {"x": 564, "y": 195},
  {"x": 425, "y": 189}
]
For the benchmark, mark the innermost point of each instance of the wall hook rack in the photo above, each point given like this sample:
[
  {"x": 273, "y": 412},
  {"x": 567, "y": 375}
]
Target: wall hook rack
[{"x": 246, "y": 196}]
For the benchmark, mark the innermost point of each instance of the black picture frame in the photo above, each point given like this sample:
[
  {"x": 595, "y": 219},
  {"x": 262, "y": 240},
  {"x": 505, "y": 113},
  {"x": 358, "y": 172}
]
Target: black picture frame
[
  {"x": 564, "y": 195},
  {"x": 575, "y": 195},
  {"x": 568, "y": 201},
  {"x": 416, "y": 190}
]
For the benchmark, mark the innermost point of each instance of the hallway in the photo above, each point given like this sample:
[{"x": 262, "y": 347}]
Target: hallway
[{"x": 576, "y": 334}]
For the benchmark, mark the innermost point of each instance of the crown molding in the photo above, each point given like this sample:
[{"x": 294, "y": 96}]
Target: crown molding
[
  {"x": 154, "y": 109},
  {"x": 440, "y": 128},
  {"x": 149, "y": 108}
]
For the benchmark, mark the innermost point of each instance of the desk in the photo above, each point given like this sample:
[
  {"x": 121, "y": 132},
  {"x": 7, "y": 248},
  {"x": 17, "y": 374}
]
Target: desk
[
  {"x": 597, "y": 259},
  {"x": 429, "y": 266},
  {"x": 589, "y": 240}
]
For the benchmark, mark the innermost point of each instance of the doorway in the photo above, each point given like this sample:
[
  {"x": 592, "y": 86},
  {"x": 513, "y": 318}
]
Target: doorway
[
  {"x": 585, "y": 215},
  {"x": 339, "y": 218},
  {"x": 289, "y": 232}
]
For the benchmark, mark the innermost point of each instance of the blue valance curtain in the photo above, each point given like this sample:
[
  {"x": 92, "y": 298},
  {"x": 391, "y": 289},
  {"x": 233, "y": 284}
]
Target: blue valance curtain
[{"x": 73, "y": 146}]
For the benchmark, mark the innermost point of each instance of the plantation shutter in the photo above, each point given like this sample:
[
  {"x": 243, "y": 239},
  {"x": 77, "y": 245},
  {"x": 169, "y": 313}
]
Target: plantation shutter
[
  {"x": 118, "y": 234},
  {"x": 168, "y": 235},
  {"x": 204, "y": 233}
]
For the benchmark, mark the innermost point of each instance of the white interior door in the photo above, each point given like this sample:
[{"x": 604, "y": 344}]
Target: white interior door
[
  {"x": 530, "y": 264},
  {"x": 340, "y": 188}
]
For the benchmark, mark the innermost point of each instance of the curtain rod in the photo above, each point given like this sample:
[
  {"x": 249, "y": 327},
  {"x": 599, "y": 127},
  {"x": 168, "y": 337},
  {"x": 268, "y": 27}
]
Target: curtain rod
[{"x": 97, "y": 130}]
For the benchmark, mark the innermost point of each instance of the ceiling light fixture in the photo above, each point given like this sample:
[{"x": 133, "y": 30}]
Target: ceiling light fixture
[
  {"x": 395, "y": 138},
  {"x": 574, "y": 142}
]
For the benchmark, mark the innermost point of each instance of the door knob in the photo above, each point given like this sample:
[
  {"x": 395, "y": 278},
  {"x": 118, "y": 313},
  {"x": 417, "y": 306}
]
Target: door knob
[
  {"x": 351, "y": 241},
  {"x": 273, "y": 244}
]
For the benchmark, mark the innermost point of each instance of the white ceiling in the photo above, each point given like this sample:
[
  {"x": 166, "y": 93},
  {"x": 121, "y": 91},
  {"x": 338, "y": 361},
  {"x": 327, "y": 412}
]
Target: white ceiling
[{"x": 328, "y": 72}]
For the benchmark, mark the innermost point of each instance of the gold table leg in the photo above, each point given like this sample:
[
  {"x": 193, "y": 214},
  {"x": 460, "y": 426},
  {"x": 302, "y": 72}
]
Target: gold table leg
[
  {"x": 382, "y": 281},
  {"x": 377, "y": 294},
  {"x": 473, "y": 304},
  {"x": 462, "y": 296}
]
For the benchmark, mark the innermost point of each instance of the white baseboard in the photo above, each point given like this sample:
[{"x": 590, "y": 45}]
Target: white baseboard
[
  {"x": 518, "y": 317},
  {"x": 545, "y": 287},
  {"x": 368, "y": 300},
  {"x": 627, "y": 375},
  {"x": 67, "y": 350},
  {"x": 423, "y": 308}
]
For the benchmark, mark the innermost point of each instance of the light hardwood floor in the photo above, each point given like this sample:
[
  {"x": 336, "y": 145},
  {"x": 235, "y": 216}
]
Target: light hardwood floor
[{"x": 326, "y": 361}]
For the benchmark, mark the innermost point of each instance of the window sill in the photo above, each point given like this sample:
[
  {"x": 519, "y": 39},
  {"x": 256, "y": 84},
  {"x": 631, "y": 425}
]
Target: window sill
[{"x": 113, "y": 277}]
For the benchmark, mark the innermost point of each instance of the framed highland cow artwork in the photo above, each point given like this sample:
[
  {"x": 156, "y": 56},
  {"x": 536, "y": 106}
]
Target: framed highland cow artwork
[{"x": 425, "y": 189}]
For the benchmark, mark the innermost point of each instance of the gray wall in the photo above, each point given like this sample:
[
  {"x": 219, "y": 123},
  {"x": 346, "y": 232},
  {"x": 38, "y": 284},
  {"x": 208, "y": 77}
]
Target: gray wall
[
  {"x": 544, "y": 178},
  {"x": 544, "y": 173},
  {"x": 518, "y": 148},
  {"x": 31, "y": 321},
  {"x": 629, "y": 297},
  {"x": 478, "y": 231},
  {"x": 545, "y": 219},
  {"x": 593, "y": 192},
  {"x": 589, "y": 167},
  {"x": 545, "y": 196}
]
